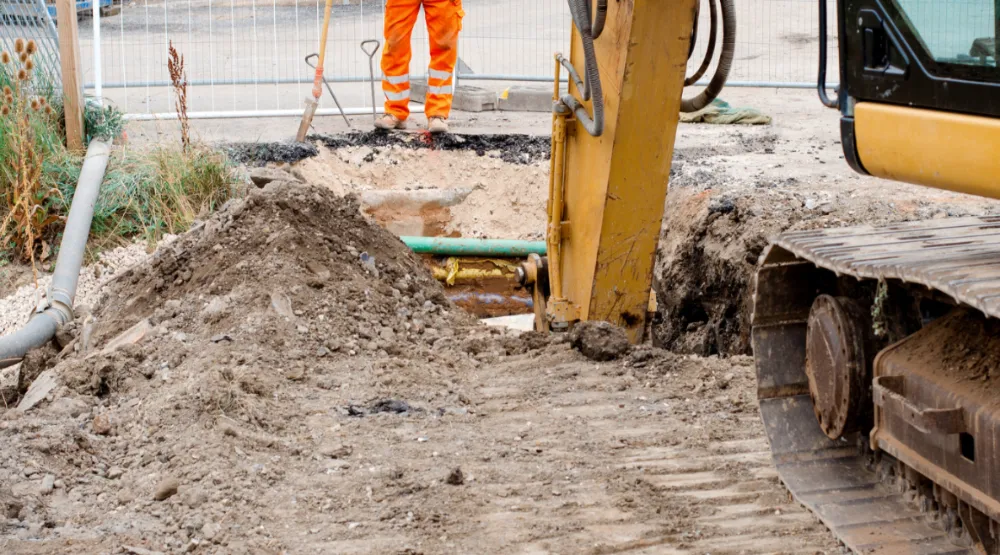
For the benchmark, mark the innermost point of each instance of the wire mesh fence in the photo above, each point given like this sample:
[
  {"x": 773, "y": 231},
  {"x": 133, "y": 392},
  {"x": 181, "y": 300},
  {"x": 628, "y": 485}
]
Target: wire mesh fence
[
  {"x": 247, "y": 57},
  {"x": 30, "y": 20}
]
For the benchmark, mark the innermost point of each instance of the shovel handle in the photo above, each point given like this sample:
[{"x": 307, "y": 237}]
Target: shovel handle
[
  {"x": 371, "y": 66},
  {"x": 371, "y": 52}
]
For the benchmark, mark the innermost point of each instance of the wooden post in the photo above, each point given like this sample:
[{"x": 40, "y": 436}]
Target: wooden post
[{"x": 72, "y": 78}]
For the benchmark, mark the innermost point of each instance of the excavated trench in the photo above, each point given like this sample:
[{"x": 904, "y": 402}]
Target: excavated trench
[{"x": 730, "y": 194}]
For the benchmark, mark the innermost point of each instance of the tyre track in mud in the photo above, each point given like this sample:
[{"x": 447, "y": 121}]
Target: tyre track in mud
[
  {"x": 673, "y": 467},
  {"x": 578, "y": 457}
]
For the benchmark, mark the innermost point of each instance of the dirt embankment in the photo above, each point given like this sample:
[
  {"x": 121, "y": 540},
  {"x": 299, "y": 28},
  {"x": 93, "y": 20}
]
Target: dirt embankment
[
  {"x": 487, "y": 186},
  {"x": 729, "y": 199}
]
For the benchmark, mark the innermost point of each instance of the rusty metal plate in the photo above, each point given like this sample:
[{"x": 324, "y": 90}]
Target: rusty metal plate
[
  {"x": 937, "y": 405},
  {"x": 834, "y": 482}
]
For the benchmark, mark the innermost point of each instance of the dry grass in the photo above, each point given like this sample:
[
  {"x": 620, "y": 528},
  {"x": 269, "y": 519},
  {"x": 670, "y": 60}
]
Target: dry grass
[
  {"x": 152, "y": 193},
  {"x": 178, "y": 79},
  {"x": 27, "y": 142}
]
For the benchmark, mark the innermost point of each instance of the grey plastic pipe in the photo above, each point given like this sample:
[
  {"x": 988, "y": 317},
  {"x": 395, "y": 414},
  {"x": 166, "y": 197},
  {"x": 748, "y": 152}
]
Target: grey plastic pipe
[{"x": 42, "y": 326}]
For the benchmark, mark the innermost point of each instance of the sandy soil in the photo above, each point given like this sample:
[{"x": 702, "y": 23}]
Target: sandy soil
[
  {"x": 505, "y": 187},
  {"x": 277, "y": 401}
]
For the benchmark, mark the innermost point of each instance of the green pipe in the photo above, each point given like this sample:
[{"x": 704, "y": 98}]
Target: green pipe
[{"x": 449, "y": 246}]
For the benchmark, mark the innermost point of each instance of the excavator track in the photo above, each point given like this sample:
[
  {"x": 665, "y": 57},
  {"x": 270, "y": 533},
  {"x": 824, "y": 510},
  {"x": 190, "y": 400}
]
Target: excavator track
[{"x": 909, "y": 470}]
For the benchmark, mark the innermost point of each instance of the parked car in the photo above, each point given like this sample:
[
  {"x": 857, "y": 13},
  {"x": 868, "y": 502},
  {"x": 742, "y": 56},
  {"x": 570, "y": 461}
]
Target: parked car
[
  {"x": 85, "y": 8},
  {"x": 30, "y": 12}
]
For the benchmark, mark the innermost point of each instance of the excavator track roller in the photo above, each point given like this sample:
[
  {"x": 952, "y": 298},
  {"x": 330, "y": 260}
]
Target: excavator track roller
[{"x": 838, "y": 364}]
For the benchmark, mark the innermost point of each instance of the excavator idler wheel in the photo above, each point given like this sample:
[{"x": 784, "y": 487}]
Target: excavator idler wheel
[{"x": 838, "y": 364}]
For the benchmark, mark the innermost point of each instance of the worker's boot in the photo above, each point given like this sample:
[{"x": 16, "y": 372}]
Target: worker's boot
[
  {"x": 437, "y": 125},
  {"x": 389, "y": 122}
]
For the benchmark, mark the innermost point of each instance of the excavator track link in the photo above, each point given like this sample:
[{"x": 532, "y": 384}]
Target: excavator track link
[{"x": 870, "y": 511}]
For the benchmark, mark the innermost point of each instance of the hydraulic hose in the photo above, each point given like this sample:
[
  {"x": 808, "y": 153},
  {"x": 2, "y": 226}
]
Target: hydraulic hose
[
  {"x": 694, "y": 30},
  {"x": 580, "y": 10},
  {"x": 42, "y": 326},
  {"x": 710, "y": 51},
  {"x": 718, "y": 81},
  {"x": 599, "y": 18}
]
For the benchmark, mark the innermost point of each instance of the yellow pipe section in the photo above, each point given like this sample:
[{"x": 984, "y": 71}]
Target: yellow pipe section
[{"x": 452, "y": 272}]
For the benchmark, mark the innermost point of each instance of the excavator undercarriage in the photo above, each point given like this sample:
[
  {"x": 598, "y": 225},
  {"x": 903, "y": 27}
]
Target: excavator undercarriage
[{"x": 878, "y": 382}]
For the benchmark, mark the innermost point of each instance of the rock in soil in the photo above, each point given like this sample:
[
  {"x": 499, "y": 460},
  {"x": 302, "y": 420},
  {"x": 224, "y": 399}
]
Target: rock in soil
[
  {"x": 455, "y": 478},
  {"x": 263, "y": 176},
  {"x": 166, "y": 489},
  {"x": 101, "y": 424},
  {"x": 599, "y": 341}
]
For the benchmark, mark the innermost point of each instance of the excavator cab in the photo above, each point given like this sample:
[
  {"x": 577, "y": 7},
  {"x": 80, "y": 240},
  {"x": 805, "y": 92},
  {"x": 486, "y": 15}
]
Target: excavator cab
[
  {"x": 876, "y": 349},
  {"x": 920, "y": 91}
]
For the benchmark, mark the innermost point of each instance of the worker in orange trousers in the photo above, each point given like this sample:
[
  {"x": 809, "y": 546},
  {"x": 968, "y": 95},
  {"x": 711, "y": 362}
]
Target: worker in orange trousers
[{"x": 444, "y": 21}]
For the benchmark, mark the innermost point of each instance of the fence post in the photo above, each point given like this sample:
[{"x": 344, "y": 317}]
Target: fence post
[{"x": 72, "y": 78}]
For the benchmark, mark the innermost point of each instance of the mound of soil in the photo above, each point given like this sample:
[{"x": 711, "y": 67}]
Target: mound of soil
[{"x": 224, "y": 333}]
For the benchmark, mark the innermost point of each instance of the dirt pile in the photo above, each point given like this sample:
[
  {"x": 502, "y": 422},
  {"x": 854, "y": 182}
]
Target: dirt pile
[
  {"x": 599, "y": 341},
  {"x": 291, "y": 380},
  {"x": 225, "y": 333}
]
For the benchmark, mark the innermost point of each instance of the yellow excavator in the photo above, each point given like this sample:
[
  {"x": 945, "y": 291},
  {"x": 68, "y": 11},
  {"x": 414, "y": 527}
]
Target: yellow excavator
[{"x": 877, "y": 349}]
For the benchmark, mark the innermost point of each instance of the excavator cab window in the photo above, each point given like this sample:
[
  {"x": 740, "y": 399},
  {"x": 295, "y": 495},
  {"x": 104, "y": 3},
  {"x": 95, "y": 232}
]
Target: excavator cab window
[{"x": 956, "y": 33}]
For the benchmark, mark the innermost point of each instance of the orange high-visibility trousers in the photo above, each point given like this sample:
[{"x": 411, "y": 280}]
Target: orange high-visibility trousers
[{"x": 444, "y": 21}]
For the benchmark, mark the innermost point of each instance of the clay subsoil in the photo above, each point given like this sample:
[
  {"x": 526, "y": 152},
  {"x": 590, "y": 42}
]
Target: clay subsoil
[{"x": 288, "y": 378}]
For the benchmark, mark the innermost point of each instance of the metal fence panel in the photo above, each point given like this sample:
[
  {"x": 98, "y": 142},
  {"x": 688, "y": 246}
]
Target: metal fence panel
[
  {"x": 30, "y": 20},
  {"x": 247, "y": 56}
]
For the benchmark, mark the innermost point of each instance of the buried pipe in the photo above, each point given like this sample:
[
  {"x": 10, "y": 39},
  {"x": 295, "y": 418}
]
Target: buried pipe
[
  {"x": 57, "y": 309},
  {"x": 449, "y": 246}
]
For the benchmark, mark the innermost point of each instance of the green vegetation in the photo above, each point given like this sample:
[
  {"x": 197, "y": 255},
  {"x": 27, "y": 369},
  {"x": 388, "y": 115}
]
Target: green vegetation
[
  {"x": 162, "y": 191},
  {"x": 145, "y": 194}
]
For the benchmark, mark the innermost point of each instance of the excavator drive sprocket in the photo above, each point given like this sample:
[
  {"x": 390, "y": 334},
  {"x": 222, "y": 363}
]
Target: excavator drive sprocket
[{"x": 878, "y": 371}]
